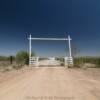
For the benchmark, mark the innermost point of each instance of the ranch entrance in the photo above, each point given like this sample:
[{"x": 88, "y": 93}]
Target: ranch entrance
[{"x": 50, "y": 61}]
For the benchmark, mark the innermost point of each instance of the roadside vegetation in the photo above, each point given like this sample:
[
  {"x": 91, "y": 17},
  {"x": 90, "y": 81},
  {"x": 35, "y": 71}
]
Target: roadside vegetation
[
  {"x": 87, "y": 62},
  {"x": 16, "y": 62},
  {"x": 84, "y": 62},
  {"x": 22, "y": 58}
]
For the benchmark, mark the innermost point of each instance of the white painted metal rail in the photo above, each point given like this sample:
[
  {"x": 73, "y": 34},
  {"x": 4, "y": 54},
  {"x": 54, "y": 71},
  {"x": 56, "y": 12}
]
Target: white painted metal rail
[{"x": 60, "y": 39}]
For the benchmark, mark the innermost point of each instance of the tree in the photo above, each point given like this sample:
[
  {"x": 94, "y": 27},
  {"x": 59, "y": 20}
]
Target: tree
[{"x": 22, "y": 57}]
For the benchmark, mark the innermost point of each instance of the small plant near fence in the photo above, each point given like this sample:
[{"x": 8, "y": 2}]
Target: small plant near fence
[{"x": 22, "y": 57}]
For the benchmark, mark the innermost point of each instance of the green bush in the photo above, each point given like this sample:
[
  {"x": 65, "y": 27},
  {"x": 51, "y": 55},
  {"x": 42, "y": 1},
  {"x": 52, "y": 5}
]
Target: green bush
[{"x": 22, "y": 57}]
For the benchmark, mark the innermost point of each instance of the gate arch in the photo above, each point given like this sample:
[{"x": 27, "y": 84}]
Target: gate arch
[{"x": 68, "y": 61}]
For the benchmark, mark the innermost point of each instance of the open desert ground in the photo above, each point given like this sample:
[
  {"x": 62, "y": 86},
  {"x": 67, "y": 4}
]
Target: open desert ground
[{"x": 50, "y": 83}]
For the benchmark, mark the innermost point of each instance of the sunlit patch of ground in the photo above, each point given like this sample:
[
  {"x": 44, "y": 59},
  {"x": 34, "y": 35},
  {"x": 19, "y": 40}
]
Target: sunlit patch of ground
[{"x": 50, "y": 83}]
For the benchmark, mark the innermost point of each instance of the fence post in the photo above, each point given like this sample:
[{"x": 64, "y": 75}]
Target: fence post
[{"x": 30, "y": 50}]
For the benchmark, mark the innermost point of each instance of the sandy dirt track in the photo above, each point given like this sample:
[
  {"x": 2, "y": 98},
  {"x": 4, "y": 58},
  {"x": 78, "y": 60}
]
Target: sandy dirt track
[
  {"x": 48, "y": 63},
  {"x": 45, "y": 83}
]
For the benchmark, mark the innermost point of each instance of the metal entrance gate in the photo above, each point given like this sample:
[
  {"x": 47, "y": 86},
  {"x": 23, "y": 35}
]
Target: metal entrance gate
[
  {"x": 68, "y": 61},
  {"x": 34, "y": 61}
]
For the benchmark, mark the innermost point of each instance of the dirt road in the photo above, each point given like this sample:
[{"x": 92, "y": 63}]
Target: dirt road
[
  {"x": 45, "y": 83},
  {"x": 49, "y": 63}
]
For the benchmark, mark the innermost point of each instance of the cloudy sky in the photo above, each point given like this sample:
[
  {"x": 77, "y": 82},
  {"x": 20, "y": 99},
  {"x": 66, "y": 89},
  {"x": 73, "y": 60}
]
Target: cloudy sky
[{"x": 50, "y": 18}]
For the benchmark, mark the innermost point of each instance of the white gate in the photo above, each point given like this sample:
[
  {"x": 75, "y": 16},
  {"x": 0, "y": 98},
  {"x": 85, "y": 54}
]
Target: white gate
[
  {"x": 34, "y": 60},
  {"x": 68, "y": 61},
  {"x": 51, "y": 60}
]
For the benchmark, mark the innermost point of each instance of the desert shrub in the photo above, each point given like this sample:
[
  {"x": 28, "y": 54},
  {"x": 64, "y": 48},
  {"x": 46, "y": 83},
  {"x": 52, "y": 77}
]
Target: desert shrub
[
  {"x": 81, "y": 60},
  {"x": 62, "y": 64},
  {"x": 17, "y": 67},
  {"x": 6, "y": 70},
  {"x": 22, "y": 57},
  {"x": 98, "y": 63},
  {"x": 6, "y": 60}
]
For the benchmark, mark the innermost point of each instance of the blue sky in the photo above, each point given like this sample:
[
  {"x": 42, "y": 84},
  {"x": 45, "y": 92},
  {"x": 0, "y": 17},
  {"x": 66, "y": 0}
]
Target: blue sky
[{"x": 50, "y": 18}]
